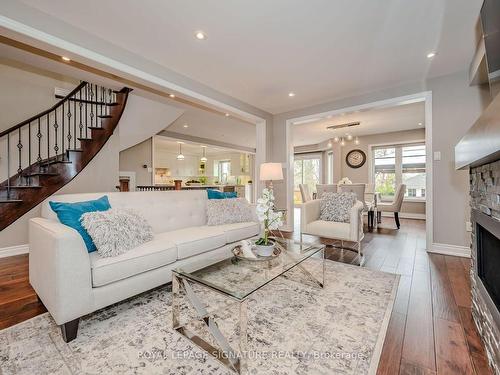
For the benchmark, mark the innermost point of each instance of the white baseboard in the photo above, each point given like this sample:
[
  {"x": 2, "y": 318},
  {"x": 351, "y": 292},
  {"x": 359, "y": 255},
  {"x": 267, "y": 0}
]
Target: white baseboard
[
  {"x": 446, "y": 249},
  {"x": 14, "y": 250}
]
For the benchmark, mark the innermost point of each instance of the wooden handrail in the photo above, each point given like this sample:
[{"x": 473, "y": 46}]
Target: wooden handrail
[{"x": 55, "y": 106}]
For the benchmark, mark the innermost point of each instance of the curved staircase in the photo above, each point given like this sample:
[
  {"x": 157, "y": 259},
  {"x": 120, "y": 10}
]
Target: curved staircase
[{"x": 42, "y": 154}]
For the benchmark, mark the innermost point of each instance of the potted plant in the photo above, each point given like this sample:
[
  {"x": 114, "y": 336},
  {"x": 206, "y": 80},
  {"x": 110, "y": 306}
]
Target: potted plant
[{"x": 270, "y": 219}]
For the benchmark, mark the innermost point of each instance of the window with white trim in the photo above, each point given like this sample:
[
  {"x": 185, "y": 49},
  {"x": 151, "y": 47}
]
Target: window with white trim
[{"x": 399, "y": 164}]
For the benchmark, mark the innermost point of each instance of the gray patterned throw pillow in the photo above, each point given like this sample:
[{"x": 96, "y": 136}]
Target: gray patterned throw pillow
[
  {"x": 228, "y": 211},
  {"x": 116, "y": 231},
  {"x": 337, "y": 206}
]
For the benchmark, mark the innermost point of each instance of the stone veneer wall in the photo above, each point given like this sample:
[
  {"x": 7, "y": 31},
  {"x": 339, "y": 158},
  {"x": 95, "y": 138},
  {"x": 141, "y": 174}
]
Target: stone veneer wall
[{"x": 485, "y": 197}]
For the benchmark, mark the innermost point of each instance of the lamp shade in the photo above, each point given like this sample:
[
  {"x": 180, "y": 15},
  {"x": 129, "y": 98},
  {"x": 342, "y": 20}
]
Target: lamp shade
[{"x": 271, "y": 172}]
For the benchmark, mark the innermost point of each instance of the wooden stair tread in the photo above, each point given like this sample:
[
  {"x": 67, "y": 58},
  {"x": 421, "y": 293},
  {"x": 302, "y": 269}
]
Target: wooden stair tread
[
  {"x": 34, "y": 174},
  {"x": 104, "y": 116},
  {"x": 84, "y": 139},
  {"x": 95, "y": 128},
  {"x": 21, "y": 187},
  {"x": 10, "y": 200},
  {"x": 75, "y": 149}
]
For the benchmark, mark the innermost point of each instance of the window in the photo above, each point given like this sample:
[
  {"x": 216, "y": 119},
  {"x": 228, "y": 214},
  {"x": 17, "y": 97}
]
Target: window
[
  {"x": 306, "y": 171},
  {"x": 399, "y": 164},
  {"x": 385, "y": 171},
  {"x": 222, "y": 169},
  {"x": 329, "y": 167}
]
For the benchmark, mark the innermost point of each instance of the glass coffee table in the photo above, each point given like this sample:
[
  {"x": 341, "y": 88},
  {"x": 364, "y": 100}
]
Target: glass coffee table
[{"x": 237, "y": 279}]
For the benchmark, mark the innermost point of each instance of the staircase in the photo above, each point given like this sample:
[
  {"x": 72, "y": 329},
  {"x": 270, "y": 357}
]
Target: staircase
[{"x": 42, "y": 154}]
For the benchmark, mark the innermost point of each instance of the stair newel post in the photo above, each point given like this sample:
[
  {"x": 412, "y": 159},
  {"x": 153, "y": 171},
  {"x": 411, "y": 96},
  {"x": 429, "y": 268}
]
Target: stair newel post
[{"x": 8, "y": 166}]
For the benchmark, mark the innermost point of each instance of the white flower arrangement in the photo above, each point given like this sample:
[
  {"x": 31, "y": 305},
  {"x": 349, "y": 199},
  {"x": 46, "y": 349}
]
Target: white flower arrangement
[
  {"x": 345, "y": 181},
  {"x": 266, "y": 214}
]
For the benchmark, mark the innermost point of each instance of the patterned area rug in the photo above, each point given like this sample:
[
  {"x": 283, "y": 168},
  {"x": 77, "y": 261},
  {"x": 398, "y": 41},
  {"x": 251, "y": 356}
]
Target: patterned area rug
[{"x": 294, "y": 327}]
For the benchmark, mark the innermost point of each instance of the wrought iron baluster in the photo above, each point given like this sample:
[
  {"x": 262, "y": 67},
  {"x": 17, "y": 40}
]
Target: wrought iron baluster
[
  {"x": 8, "y": 165},
  {"x": 81, "y": 104},
  {"x": 56, "y": 127},
  {"x": 91, "y": 93},
  {"x": 19, "y": 147},
  {"x": 29, "y": 151},
  {"x": 39, "y": 136},
  {"x": 96, "y": 107},
  {"x": 74, "y": 122},
  {"x": 103, "y": 109},
  {"x": 86, "y": 109},
  {"x": 69, "y": 137},
  {"x": 62, "y": 131},
  {"x": 48, "y": 135}
]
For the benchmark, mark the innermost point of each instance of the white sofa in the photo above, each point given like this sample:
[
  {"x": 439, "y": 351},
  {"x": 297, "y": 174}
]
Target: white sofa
[{"x": 72, "y": 282}]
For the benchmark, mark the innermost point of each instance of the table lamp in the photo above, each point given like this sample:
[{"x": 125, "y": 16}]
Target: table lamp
[{"x": 271, "y": 172}]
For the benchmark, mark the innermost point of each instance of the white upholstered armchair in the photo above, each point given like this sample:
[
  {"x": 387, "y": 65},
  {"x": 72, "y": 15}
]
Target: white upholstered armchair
[{"x": 310, "y": 223}]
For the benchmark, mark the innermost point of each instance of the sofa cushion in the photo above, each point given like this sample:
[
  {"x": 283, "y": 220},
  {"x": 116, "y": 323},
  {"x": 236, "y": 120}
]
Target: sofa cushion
[
  {"x": 70, "y": 213},
  {"x": 153, "y": 254},
  {"x": 329, "y": 229},
  {"x": 196, "y": 240},
  {"x": 239, "y": 231}
]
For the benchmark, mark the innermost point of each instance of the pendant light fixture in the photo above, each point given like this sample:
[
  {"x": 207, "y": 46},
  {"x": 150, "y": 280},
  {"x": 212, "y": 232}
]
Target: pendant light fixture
[
  {"x": 180, "y": 156},
  {"x": 203, "y": 159}
]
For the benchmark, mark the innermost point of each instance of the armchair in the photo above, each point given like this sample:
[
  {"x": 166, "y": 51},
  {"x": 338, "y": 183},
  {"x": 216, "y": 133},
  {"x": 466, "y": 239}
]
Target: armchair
[{"x": 311, "y": 224}]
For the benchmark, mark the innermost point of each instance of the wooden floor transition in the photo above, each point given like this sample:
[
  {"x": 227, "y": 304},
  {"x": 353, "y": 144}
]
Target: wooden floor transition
[{"x": 430, "y": 331}]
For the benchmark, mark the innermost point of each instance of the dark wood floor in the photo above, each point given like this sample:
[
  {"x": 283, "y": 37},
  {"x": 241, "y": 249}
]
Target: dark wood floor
[{"x": 431, "y": 329}]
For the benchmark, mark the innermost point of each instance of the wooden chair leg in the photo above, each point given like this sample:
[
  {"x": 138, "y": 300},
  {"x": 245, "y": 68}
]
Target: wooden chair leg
[
  {"x": 396, "y": 218},
  {"x": 69, "y": 330}
]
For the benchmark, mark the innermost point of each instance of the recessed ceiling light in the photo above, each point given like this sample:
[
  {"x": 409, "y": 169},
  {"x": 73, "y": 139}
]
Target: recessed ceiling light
[
  {"x": 430, "y": 55},
  {"x": 200, "y": 35},
  {"x": 67, "y": 59},
  {"x": 349, "y": 137},
  {"x": 172, "y": 95},
  {"x": 419, "y": 124},
  {"x": 291, "y": 94},
  {"x": 185, "y": 126},
  {"x": 329, "y": 144},
  {"x": 227, "y": 114}
]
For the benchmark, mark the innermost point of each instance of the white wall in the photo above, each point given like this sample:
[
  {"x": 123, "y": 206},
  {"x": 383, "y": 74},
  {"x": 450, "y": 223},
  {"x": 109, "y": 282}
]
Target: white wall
[
  {"x": 26, "y": 91},
  {"x": 455, "y": 106}
]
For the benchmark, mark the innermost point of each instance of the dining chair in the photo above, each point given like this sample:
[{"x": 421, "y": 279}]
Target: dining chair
[
  {"x": 305, "y": 193},
  {"x": 325, "y": 188},
  {"x": 394, "y": 206}
]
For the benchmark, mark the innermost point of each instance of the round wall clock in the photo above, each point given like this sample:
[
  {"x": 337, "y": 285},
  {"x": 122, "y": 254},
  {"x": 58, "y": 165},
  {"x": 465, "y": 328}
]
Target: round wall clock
[{"x": 355, "y": 158}]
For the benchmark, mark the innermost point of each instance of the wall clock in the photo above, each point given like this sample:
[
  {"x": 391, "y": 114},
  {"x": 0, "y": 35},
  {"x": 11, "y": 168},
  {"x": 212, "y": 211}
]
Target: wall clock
[{"x": 355, "y": 158}]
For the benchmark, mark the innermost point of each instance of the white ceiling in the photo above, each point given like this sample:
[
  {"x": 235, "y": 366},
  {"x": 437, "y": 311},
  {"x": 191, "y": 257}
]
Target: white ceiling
[
  {"x": 188, "y": 148},
  {"x": 258, "y": 51},
  {"x": 214, "y": 126},
  {"x": 373, "y": 121}
]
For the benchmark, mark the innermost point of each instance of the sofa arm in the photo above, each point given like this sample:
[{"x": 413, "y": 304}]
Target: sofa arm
[
  {"x": 309, "y": 212},
  {"x": 356, "y": 221},
  {"x": 59, "y": 269}
]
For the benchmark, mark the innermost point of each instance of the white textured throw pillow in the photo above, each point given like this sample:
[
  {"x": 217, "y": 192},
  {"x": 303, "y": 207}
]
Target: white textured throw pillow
[
  {"x": 228, "y": 211},
  {"x": 337, "y": 206},
  {"x": 116, "y": 231}
]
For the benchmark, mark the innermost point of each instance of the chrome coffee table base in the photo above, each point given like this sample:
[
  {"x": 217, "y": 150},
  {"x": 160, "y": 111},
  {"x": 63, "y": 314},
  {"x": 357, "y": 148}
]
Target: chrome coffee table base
[
  {"x": 227, "y": 355},
  {"x": 233, "y": 358}
]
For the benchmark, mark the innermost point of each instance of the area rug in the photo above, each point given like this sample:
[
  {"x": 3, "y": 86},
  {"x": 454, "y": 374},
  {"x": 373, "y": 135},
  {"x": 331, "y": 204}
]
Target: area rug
[{"x": 293, "y": 328}]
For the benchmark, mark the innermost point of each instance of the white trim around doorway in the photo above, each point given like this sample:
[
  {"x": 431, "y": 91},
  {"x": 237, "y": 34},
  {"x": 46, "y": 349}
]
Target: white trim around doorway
[{"x": 425, "y": 96}]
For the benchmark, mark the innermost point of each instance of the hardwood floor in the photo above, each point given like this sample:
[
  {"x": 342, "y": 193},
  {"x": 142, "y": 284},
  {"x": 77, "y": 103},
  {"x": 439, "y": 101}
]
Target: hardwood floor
[{"x": 431, "y": 329}]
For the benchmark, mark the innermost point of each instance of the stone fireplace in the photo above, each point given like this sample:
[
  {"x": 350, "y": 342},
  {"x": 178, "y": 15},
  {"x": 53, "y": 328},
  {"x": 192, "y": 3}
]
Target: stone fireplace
[{"x": 485, "y": 246}]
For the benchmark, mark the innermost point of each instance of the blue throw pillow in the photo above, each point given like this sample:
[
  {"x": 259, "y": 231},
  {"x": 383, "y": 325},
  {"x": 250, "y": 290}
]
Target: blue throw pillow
[
  {"x": 216, "y": 194},
  {"x": 70, "y": 213}
]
